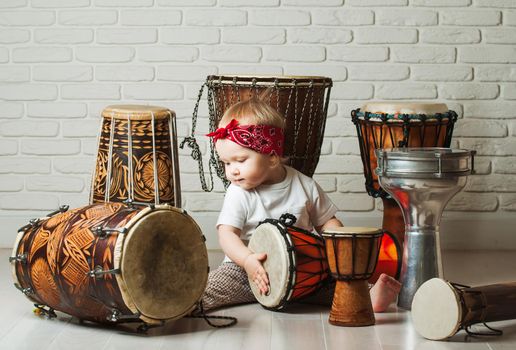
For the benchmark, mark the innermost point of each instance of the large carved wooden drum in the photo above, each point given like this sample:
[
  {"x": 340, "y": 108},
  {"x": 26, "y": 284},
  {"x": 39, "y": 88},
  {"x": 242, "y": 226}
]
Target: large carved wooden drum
[
  {"x": 109, "y": 262},
  {"x": 137, "y": 158}
]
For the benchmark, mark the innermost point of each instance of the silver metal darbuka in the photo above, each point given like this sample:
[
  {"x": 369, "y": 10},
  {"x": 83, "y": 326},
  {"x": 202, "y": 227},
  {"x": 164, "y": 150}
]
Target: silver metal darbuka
[{"x": 422, "y": 181}]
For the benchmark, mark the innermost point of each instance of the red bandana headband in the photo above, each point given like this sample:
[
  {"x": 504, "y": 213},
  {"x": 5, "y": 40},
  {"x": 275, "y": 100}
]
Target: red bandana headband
[{"x": 264, "y": 139}]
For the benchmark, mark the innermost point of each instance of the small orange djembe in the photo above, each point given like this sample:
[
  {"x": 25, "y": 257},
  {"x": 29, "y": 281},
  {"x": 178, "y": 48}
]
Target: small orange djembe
[{"x": 352, "y": 256}]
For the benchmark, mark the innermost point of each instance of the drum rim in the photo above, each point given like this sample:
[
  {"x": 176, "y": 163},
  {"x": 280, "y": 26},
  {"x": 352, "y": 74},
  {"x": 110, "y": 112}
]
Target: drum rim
[
  {"x": 268, "y": 80},
  {"x": 445, "y": 286},
  {"x": 140, "y": 112},
  {"x": 348, "y": 231},
  {"x": 423, "y": 153},
  {"x": 400, "y": 117}
]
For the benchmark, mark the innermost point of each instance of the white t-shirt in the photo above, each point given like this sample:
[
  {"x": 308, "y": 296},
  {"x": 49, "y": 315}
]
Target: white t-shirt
[{"x": 297, "y": 194}]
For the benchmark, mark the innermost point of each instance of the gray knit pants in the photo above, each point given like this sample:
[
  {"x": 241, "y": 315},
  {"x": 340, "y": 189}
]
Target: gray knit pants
[{"x": 228, "y": 285}]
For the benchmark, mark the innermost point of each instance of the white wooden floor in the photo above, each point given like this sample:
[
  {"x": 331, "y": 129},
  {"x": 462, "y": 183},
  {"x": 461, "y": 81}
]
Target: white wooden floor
[{"x": 306, "y": 328}]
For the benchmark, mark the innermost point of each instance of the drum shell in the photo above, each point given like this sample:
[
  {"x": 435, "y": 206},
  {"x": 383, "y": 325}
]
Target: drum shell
[
  {"x": 62, "y": 250},
  {"x": 303, "y": 101},
  {"x": 490, "y": 303}
]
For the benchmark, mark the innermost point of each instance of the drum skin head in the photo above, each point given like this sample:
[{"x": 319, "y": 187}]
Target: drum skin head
[
  {"x": 165, "y": 264},
  {"x": 136, "y": 112},
  {"x": 405, "y": 108},
  {"x": 267, "y": 239},
  {"x": 436, "y": 310}
]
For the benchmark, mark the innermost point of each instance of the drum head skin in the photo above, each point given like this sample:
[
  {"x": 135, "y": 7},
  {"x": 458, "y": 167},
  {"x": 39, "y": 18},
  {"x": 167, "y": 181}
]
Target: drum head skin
[
  {"x": 267, "y": 239},
  {"x": 436, "y": 310},
  {"x": 405, "y": 108},
  {"x": 165, "y": 264},
  {"x": 136, "y": 112}
]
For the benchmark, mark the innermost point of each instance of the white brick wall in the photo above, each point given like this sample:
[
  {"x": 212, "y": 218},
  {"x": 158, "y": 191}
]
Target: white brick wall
[{"x": 63, "y": 61}]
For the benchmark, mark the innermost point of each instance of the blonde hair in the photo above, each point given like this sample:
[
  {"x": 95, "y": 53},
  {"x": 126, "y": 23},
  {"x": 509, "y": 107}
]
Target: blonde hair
[{"x": 253, "y": 111}]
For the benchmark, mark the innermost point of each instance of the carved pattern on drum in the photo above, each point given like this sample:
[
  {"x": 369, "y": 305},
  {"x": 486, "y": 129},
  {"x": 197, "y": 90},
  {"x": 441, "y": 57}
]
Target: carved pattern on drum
[
  {"x": 44, "y": 283},
  {"x": 144, "y": 176}
]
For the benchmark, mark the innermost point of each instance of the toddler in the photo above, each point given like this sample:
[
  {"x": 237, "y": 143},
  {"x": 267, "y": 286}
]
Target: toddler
[{"x": 249, "y": 141}]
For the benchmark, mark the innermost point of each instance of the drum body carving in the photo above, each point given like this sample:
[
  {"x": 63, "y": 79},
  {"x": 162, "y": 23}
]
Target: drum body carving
[
  {"x": 422, "y": 181},
  {"x": 296, "y": 262},
  {"x": 352, "y": 257},
  {"x": 392, "y": 125},
  {"x": 137, "y": 158},
  {"x": 108, "y": 262},
  {"x": 303, "y": 101},
  {"x": 440, "y": 308}
]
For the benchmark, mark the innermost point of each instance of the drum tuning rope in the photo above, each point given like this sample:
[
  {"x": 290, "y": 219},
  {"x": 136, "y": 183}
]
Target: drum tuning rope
[
  {"x": 202, "y": 314},
  {"x": 155, "y": 167},
  {"x": 110, "y": 159}
]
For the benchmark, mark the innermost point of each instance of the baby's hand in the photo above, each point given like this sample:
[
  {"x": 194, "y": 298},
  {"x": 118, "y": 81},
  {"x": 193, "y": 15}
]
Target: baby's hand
[{"x": 254, "y": 268}]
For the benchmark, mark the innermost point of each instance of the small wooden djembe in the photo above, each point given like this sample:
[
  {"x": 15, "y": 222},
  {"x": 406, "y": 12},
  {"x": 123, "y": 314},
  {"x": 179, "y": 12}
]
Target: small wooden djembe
[{"x": 352, "y": 256}]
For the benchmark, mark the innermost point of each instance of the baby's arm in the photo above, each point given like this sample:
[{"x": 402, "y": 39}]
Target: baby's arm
[
  {"x": 333, "y": 222},
  {"x": 236, "y": 250}
]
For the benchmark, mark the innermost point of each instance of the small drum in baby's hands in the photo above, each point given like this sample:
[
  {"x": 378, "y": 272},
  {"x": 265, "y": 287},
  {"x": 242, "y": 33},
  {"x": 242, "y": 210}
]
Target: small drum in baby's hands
[
  {"x": 296, "y": 261},
  {"x": 109, "y": 262},
  {"x": 352, "y": 256},
  {"x": 440, "y": 308}
]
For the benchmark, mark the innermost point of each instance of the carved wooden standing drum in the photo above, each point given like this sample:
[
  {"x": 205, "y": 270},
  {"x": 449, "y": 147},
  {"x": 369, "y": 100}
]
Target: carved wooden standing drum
[
  {"x": 137, "y": 158},
  {"x": 109, "y": 262}
]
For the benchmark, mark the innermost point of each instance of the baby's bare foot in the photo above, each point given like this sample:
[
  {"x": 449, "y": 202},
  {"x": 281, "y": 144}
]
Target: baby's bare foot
[{"x": 384, "y": 292}]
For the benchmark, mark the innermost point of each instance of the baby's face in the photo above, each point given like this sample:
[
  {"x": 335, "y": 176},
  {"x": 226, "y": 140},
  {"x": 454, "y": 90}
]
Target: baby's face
[{"x": 244, "y": 167}]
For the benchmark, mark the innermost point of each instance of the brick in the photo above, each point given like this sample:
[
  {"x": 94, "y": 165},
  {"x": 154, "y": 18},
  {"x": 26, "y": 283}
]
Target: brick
[
  {"x": 406, "y": 17},
  {"x": 347, "y": 17},
  {"x": 450, "y": 36},
  {"x": 482, "y": 165},
  {"x": 247, "y": 3},
  {"x": 14, "y": 74},
  {"x": 254, "y": 69},
  {"x": 89, "y": 147},
  {"x": 123, "y": 3},
  {"x": 153, "y": 91},
  {"x": 62, "y": 73},
  {"x": 27, "y": 18},
  {"x": 406, "y": 91},
  {"x": 490, "y": 109},
  {"x": 470, "y": 17},
  {"x": 441, "y": 3},
  {"x": 351, "y": 183},
  {"x": 9, "y": 183},
  {"x": 464, "y": 201},
  {"x": 490, "y": 147},
  {"x": 29, "y": 128},
  {"x": 500, "y": 36},
  {"x": 492, "y": 183},
  {"x": 279, "y": 18},
  {"x": 351, "y": 91},
  {"x": 150, "y": 17},
  {"x": 296, "y": 54},
  {"x": 255, "y": 35},
  {"x": 327, "y": 182},
  {"x": 14, "y": 36},
  {"x": 378, "y": 72},
  {"x": 508, "y": 202},
  {"x": 50, "y": 147},
  {"x": 11, "y": 110},
  {"x": 189, "y": 3},
  {"x": 203, "y": 202},
  {"x": 127, "y": 36},
  {"x": 426, "y": 54},
  {"x": 27, "y": 92},
  {"x": 509, "y": 18},
  {"x": 41, "y": 54},
  {"x": 8, "y": 147},
  {"x": 231, "y": 54},
  {"x": 479, "y": 128},
  {"x": 336, "y": 72},
  {"x": 13, "y": 3},
  {"x": 385, "y": 35},
  {"x": 339, "y": 164},
  {"x": 63, "y": 36},
  {"x": 488, "y": 54},
  {"x": 318, "y": 3},
  {"x": 358, "y": 54},
  {"x": 56, "y": 110},
  {"x": 29, "y": 201},
  {"x": 215, "y": 17},
  {"x": 352, "y": 201},
  {"x": 320, "y": 36},
  {"x": 190, "y": 36},
  {"x": 124, "y": 73},
  {"x": 469, "y": 91},
  {"x": 441, "y": 73},
  {"x": 348, "y": 146},
  {"x": 4, "y": 55},
  {"x": 505, "y": 165},
  {"x": 497, "y": 3},
  {"x": 104, "y": 54},
  {"x": 509, "y": 92},
  {"x": 87, "y": 17},
  {"x": 24, "y": 165},
  {"x": 74, "y": 165},
  {"x": 80, "y": 128},
  {"x": 495, "y": 73},
  {"x": 185, "y": 73},
  {"x": 376, "y": 2},
  {"x": 90, "y": 91},
  {"x": 54, "y": 183},
  {"x": 59, "y": 3},
  {"x": 168, "y": 54},
  {"x": 74, "y": 200}
]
